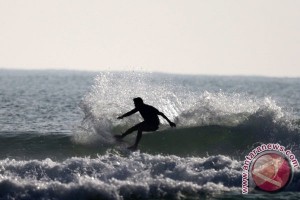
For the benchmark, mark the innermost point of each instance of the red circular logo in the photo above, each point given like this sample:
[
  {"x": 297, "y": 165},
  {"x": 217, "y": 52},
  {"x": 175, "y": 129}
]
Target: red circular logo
[{"x": 271, "y": 172}]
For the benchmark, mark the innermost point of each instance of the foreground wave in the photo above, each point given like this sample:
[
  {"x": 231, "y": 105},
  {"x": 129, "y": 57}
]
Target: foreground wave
[{"x": 135, "y": 176}]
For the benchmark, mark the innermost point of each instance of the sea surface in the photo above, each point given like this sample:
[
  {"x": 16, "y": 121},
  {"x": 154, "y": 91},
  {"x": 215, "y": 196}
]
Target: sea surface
[{"x": 57, "y": 127}]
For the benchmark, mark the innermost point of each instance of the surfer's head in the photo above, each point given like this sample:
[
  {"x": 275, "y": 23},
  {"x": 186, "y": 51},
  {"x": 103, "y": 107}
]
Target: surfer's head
[{"x": 138, "y": 102}]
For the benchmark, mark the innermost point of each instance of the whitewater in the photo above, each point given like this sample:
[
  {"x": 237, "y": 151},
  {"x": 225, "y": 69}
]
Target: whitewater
[{"x": 57, "y": 127}]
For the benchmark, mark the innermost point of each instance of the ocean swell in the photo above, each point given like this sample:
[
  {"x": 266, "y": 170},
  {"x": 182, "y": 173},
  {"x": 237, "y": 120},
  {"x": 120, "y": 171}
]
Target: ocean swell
[{"x": 249, "y": 118}]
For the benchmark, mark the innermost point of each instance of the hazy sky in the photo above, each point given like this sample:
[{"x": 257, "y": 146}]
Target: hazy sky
[{"x": 224, "y": 37}]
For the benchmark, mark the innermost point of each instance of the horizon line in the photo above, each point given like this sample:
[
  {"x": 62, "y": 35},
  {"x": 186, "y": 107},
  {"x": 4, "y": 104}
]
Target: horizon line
[{"x": 146, "y": 71}]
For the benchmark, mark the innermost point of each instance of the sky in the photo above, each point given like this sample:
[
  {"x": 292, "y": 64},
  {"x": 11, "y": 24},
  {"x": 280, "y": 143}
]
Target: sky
[{"x": 215, "y": 37}]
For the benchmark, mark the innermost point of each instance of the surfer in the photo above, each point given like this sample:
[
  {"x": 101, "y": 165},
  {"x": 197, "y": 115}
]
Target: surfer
[{"x": 150, "y": 123}]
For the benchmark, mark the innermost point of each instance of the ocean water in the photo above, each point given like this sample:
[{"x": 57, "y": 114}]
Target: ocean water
[{"x": 57, "y": 127}]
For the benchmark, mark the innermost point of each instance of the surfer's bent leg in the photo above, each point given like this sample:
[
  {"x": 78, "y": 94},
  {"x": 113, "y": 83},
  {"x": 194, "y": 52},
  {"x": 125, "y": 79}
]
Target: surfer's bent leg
[
  {"x": 144, "y": 126},
  {"x": 138, "y": 138},
  {"x": 132, "y": 129}
]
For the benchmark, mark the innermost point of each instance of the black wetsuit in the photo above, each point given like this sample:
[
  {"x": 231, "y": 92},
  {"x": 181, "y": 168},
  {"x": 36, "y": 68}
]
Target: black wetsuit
[
  {"x": 150, "y": 115},
  {"x": 150, "y": 123}
]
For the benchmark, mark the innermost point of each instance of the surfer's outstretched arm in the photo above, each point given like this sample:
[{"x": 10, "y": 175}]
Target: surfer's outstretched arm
[
  {"x": 128, "y": 114},
  {"x": 172, "y": 124}
]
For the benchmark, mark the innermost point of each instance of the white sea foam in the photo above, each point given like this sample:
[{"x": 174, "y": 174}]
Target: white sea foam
[{"x": 112, "y": 176}]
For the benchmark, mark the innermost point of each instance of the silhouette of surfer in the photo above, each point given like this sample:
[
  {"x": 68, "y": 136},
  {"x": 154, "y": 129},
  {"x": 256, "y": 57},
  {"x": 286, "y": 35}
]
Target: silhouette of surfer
[{"x": 150, "y": 123}]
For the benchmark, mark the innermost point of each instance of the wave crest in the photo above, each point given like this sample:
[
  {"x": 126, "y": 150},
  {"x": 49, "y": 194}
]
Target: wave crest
[{"x": 112, "y": 93}]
